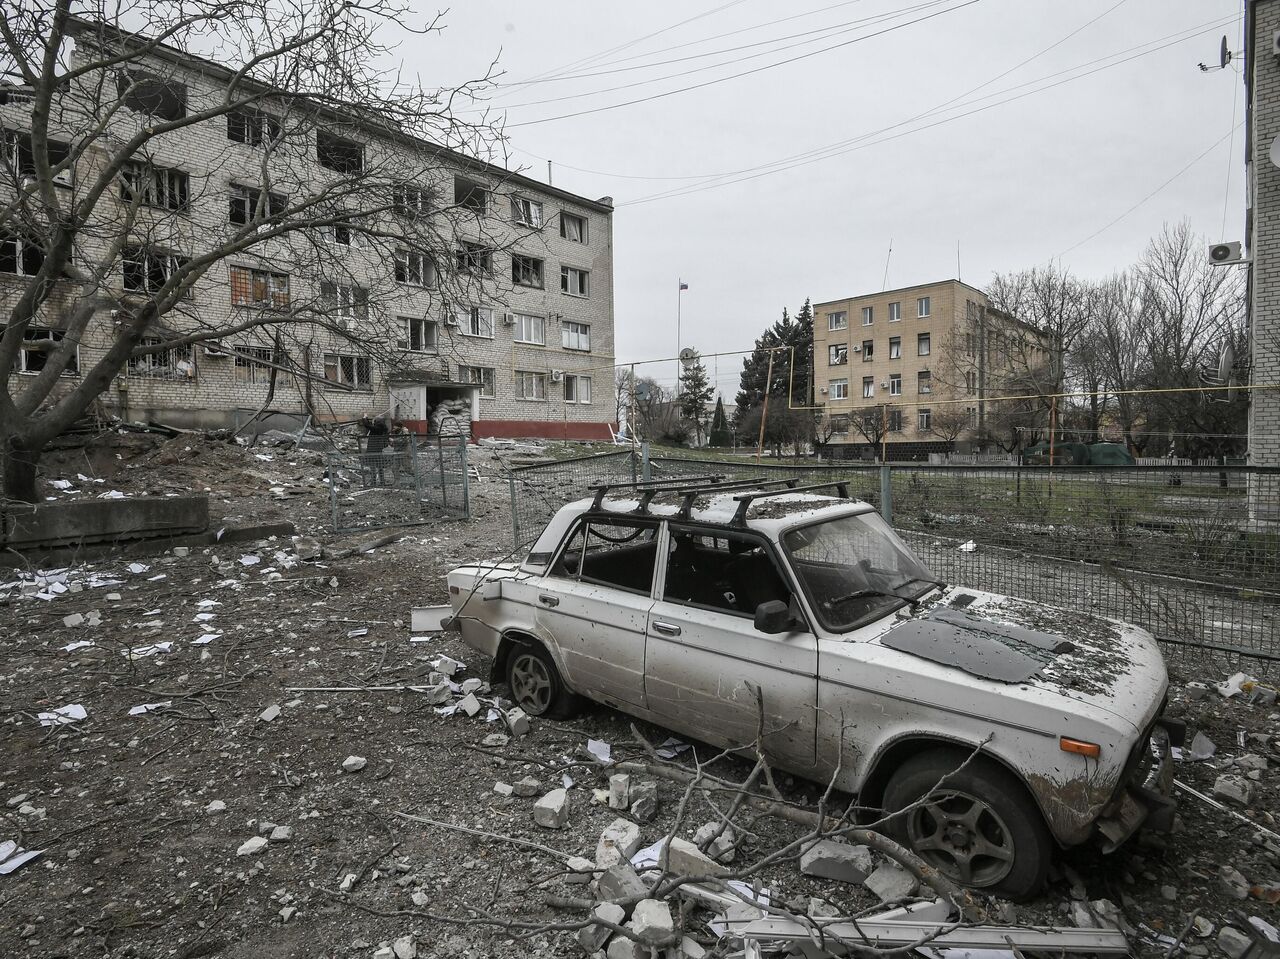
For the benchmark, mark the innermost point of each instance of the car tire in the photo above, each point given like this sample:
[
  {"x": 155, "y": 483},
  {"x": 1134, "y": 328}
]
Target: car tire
[
  {"x": 535, "y": 683},
  {"x": 981, "y": 829}
]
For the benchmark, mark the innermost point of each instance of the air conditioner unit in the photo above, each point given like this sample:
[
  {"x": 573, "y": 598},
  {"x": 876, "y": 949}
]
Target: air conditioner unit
[
  {"x": 508, "y": 319},
  {"x": 557, "y": 376},
  {"x": 884, "y": 385},
  {"x": 822, "y": 390},
  {"x": 450, "y": 320},
  {"x": 1221, "y": 254},
  {"x": 855, "y": 349},
  {"x": 215, "y": 349}
]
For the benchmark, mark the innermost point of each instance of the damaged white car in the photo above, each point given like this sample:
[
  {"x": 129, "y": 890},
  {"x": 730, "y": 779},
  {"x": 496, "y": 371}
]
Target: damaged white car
[{"x": 753, "y": 616}]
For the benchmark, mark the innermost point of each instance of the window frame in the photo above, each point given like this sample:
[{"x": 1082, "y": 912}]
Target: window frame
[
  {"x": 251, "y": 358},
  {"x": 169, "y": 369},
  {"x": 868, "y": 387},
  {"x": 719, "y": 532},
  {"x": 474, "y": 258},
  {"x": 533, "y": 220},
  {"x": 132, "y": 92},
  {"x": 470, "y": 320},
  {"x": 467, "y": 198},
  {"x": 837, "y": 354},
  {"x": 28, "y": 254},
  {"x": 20, "y": 367},
  {"x": 567, "y": 331},
  {"x": 406, "y": 343},
  {"x": 517, "y": 327},
  {"x": 271, "y": 286},
  {"x": 924, "y": 344},
  {"x": 924, "y": 307},
  {"x": 403, "y": 269},
  {"x": 838, "y": 388},
  {"x": 924, "y": 387},
  {"x": 338, "y": 142},
  {"x": 157, "y": 187},
  {"x": 895, "y": 312},
  {"x": 575, "y": 380},
  {"x": 924, "y": 420},
  {"x": 895, "y": 380},
  {"x": 583, "y": 228},
  {"x": 534, "y": 266},
  {"x": 895, "y": 347},
  {"x": 358, "y": 363},
  {"x": 248, "y": 197},
  {"x": 166, "y": 261},
  {"x": 489, "y": 382},
  {"x": 868, "y": 350},
  {"x": 837, "y": 320},
  {"x": 868, "y": 315},
  {"x": 266, "y": 128},
  {"x": 401, "y": 196},
  {"x": 535, "y": 377},
  {"x": 567, "y": 274}
]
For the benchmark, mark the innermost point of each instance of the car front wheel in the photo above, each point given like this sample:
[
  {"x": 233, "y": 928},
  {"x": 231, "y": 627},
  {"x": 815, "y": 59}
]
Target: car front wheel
[
  {"x": 979, "y": 828},
  {"x": 536, "y": 685}
]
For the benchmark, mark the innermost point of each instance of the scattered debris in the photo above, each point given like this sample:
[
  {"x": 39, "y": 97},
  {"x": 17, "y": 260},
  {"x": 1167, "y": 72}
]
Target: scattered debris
[
  {"x": 353, "y": 764},
  {"x": 63, "y": 715}
]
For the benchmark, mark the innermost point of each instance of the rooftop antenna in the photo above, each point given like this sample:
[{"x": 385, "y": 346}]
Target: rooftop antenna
[
  {"x": 1225, "y": 56},
  {"x": 884, "y": 284},
  {"x": 957, "y": 259}
]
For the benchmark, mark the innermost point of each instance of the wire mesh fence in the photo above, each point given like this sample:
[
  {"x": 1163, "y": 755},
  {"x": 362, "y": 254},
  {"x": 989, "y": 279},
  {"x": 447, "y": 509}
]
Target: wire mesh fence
[
  {"x": 1191, "y": 553},
  {"x": 398, "y": 481},
  {"x": 538, "y": 491}
]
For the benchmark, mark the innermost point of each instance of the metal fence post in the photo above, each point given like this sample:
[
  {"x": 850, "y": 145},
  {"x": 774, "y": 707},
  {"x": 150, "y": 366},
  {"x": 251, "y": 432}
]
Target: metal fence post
[
  {"x": 886, "y": 493},
  {"x": 466, "y": 477},
  {"x": 646, "y": 473},
  {"x": 515, "y": 514}
]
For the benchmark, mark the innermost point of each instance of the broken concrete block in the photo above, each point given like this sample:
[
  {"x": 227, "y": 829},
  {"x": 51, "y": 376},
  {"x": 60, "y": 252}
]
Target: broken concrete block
[
  {"x": 287, "y": 913},
  {"x": 252, "y": 846},
  {"x": 682, "y": 858},
  {"x": 828, "y": 859},
  {"x": 619, "y": 883},
  {"x": 622, "y": 947},
  {"x": 891, "y": 882},
  {"x": 472, "y": 685},
  {"x": 448, "y": 666},
  {"x": 307, "y": 548},
  {"x": 281, "y": 834},
  {"x": 503, "y": 789},
  {"x": 527, "y": 787},
  {"x": 651, "y": 921},
  {"x": 1233, "y": 883},
  {"x": 1196, "y": 691},
  {"x": 620, "y": 791},
  {"x": 518, "y": 722},
  {"x": 469, "y": 704},
  {"x": 1252, "y": 762},
  {"x": 821, "y": 909},
  {"x": 353, "y": 764},
  {"x": 348, "y": 881},
  {"x": 552, "y": 810},
  {"x": 690, "y": 949},
  {"x": 265, "y": 826},
  {"x": 215, "y": 807},
  {"x": 405, "y": 948},
  {"x": 1234, "y": 789},
  {"x": 437, "y": 694},
  {"x": 593, "y": 937},
  {"x": 581, "y": 871},
  {"x": 270, "y": 714},
  {"x": 420, "y": 899},
  {"x": 1233, "y": 942},
  {"x": 495, "y": 740},
  {"x": 75, "y": 619},
  {"x": 644, "y": 801},
  {"x": 618, "y": 843}
]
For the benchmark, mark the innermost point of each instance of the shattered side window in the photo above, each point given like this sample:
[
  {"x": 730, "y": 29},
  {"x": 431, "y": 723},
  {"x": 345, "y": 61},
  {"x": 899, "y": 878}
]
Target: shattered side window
[
  {"x": 726, "y": 572},
  {"x": 621, "y": 555}
]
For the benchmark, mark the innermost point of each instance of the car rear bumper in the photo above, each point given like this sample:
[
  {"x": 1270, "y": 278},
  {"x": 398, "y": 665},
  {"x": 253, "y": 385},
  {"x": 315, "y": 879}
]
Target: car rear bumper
[{"x": 1145, "y": 797}]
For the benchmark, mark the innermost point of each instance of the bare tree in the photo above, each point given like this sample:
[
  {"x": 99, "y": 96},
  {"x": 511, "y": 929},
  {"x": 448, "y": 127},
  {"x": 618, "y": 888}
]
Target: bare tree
[
  {"x": 948, "y": 423},
  {"x": 337, "y": 211}
]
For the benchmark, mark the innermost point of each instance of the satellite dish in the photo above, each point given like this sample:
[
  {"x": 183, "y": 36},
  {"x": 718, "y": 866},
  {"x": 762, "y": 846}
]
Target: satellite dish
[
  {"x": 1274, "y": 152},
  {"x": 1226, "y": 361},
  {"x": 1224, "y": 54},
  {"x": 688, "y": 356}
]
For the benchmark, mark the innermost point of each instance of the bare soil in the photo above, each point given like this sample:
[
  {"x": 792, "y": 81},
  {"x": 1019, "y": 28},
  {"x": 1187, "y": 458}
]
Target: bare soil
[{"x": 136, "y": 863}]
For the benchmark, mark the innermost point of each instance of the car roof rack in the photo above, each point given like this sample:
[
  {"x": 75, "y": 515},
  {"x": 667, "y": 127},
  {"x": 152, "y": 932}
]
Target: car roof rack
[
  {"x": 689, "y": 494},
  {"x": 746, "y": 499},
  {"x": 658, "y": 486}
]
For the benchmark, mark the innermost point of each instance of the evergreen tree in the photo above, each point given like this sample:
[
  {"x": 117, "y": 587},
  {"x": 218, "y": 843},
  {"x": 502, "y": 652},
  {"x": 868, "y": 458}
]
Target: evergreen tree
[
  {"x": 695, "y": 391},
  {"x": 720, "y": 434},
  {"x": 785, "y": 339}
]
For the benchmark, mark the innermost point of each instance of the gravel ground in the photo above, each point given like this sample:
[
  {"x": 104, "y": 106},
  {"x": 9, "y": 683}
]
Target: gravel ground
[{"x": 141, "y": 816}]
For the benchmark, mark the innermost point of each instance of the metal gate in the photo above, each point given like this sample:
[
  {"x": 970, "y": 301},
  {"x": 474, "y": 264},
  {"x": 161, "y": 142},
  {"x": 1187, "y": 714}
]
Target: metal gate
[{"x": 406, "y": 482}]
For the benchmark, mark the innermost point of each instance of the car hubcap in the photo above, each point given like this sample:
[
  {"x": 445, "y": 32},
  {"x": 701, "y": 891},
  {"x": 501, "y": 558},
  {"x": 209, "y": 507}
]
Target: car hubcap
[
  {"x": 963, "y": 837},
  {"x": 531, "y": 683}
]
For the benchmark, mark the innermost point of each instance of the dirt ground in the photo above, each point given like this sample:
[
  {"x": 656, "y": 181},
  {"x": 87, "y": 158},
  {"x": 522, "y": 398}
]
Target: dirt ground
[{"x": 140, "y": 817}]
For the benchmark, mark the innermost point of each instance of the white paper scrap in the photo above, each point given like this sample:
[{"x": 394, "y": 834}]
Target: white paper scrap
[
  {"x": 968, "y": 547},
  {"x": 72, "y": 647},
  {"x": 12, "y": 856},
  {"x": 205, "y": 639},
  {"x": 137, "y": 568},
  {"x": 150, "y": 707},
  {"x": 63, "y": 715},
  {"x": 249, "y": 559},
  {"x": 203, "y": 617},
  {"x": 601, "y": 750},
  {"x": 141, "y": 651}
]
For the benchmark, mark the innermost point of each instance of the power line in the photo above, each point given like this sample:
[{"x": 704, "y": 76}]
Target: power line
[
  {"x": 864, "y": 140},
  {"x": 745, "y": 73},
  {"x": 1231, "y": 151}
]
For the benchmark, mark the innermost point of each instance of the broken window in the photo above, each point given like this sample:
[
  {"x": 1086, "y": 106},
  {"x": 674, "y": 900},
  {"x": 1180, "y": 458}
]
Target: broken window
[
  {"x": 250, "y": 287},
  {"x": 837, "y": 354},
  {"x": 254, "y": 127},
  {"x": 420, "y": 335},
  {"x": 19, "y": 157},
  {"x": 37, "y": 344},
  {"x": 147, "y": 270},
  {"x": 20, "y": 254},
  {"x": 173, "y": 363},
  {"x": 722, "y": 571},
  {"x": 526, "y": 212},
  {"x": 353, "y": 371},
  {"x": 160, "y": 187},
  {"x": 155, "y": 96},
  {"x": 924, "y": 382},
  {"x": 526, "y": 271},
  {"x": 475, "y": 258},
  {"x": 412, "y": 202},
  {"x": 338, "y": 153},
  {"x": 531, "y": 385},
  {"x": 473, "y": 320},
  {"x": 621, "y": 555},
  {"x": 482, "y": 376},
  {"x": 573, "y": 281},
  {"x": 415, "y": 269},
  {"x": 868, "y": 350},
  {"x": 340, "y": 234},
  {"x": 250, "y": 364},
  {"x": 573, "y": 227},
  {"x": 470, "y": 195},
  {"x": 244, "y": 205},
  {"x": 344, "y": 303}
]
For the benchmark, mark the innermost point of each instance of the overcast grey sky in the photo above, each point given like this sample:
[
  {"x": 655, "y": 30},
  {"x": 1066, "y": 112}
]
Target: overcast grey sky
[{"x": 1015, "y": 184}]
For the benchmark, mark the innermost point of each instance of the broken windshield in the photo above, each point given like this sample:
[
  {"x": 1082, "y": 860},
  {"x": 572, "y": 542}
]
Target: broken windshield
[{"x": 856, "y": 569}]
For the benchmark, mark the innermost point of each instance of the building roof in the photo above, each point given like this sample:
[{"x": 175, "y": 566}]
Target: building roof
[
  {"x": 78, "y": 26},
  {"x": 901, "y": 289}
]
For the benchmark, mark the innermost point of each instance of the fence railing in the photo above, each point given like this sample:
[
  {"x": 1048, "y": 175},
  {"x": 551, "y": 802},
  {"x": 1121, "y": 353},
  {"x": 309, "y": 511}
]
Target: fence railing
[
  {"x": 1190, "y": 553},
  {"x": 400, "y": 481}
]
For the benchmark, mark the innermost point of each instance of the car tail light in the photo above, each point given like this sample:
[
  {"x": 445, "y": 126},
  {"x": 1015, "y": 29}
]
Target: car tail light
[{"x": 1080, "y": 747}]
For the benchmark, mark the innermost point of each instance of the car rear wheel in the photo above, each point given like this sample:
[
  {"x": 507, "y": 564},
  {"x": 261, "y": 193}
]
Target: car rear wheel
[
  {"x": 536, "y": 685},
  {"x": 979, "y": 828}
]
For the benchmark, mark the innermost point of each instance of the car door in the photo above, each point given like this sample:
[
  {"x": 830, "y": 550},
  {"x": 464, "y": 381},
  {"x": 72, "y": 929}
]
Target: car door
[
  {"x": 594, "y": 602},
  {"x": 709, "y": 671}
]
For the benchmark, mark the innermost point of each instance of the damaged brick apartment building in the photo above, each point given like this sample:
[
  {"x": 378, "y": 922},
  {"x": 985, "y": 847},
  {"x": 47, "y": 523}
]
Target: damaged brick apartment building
[{"x": 502, "y": 325}]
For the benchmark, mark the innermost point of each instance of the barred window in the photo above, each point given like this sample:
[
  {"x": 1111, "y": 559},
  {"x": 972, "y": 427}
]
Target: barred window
[
  {"x": 173, "y": 363},
  {"x": 531, "y": 385},
  {"x": 161, "y": 187},
  {"x": 250, "y": 287},
  {"x": 250, "y": 364},
  {"x": 348, "y": 370},
  {"x": 37, "y": 343}
]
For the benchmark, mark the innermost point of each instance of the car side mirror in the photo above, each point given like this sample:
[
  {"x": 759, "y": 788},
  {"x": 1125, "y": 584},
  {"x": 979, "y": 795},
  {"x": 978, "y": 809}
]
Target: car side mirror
[{"x": 774, "y": 617}]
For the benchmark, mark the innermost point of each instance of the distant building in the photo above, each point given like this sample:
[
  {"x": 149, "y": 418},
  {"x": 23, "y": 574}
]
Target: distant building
[{"x": 916, "y": 370}]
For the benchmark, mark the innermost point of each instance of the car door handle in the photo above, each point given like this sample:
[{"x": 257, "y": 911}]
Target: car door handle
[
  {"x": 548, "y": 600},
  {"x": 667, "y": 629}
]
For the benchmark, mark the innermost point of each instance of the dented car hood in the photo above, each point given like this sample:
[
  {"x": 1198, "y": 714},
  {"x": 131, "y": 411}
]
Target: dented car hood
[{"x": 1108, "y": 664}]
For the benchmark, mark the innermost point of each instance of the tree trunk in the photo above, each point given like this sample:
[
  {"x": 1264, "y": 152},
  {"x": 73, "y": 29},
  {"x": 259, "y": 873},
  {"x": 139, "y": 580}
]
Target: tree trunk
[{"x": 19, "y": 470}]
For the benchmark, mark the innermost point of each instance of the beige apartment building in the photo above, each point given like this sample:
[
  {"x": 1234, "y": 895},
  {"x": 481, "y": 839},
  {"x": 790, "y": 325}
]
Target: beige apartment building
[
  {"x": 507, "y": 329},
  {"x": 916, "y": 367}
]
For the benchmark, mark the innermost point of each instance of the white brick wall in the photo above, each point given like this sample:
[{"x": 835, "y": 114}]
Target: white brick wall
[{"x": 1264, "y": 408}]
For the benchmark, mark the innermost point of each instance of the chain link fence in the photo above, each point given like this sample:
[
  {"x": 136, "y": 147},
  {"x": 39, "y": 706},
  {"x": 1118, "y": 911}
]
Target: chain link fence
[
  {"x": 538, "y": 491},
  {"x": 400, "y": 481},
  {"x": 1191, "y": 553}
]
